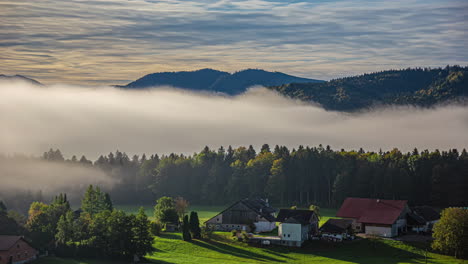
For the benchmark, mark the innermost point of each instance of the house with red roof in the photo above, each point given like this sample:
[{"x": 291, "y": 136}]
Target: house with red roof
[
  {"x": 16, "y": 250},
  {"x": 379, "y": 217}
]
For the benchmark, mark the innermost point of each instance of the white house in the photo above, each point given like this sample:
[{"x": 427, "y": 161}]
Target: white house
[{"x": 296, "y": 226}]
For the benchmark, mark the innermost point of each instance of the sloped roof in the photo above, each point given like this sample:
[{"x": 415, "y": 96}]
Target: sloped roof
[
  {"x": 372, "y": 211},
  {"x": 259, "y": 206},
  {"x": 427, "y": 212},
  {"x": 294, "y": 216},
  {"x": 336, "y": 225},
  {"x": 415, "y": 219},
  {"x": 6, "y": 242}
]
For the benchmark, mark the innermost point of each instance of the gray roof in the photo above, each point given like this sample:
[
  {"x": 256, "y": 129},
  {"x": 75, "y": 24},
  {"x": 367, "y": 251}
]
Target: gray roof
[
  {"x": 294, "y": 216},
  {"x": 259, "y": 206},
  {"x": 336, "y": 226},
  {"x": 426, "y": 212}
]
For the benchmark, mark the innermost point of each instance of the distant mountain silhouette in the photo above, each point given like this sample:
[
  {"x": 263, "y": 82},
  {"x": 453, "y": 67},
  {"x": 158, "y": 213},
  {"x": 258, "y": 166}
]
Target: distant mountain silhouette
[
  {"x": 216, "y": 81},
  {"x": 423, "y": 87},
  {"x": 19, "y": 78}
]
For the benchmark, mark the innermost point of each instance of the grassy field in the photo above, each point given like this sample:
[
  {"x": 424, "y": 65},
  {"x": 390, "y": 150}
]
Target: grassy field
[
  {"x": 170, "y": 248},
  {"x": 204, "y": 212}
]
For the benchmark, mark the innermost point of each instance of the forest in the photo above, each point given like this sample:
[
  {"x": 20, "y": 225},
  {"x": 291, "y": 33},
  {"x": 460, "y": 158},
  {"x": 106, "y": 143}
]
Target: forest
[
  {"x": 423, "y": 87},
  {"x": 302, "y": 176}
]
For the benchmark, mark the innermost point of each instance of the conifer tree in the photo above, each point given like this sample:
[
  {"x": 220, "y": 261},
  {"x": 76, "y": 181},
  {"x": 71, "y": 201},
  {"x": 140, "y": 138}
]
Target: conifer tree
[
  {"x": 186, "y": 229},
  {"x": 195, "y": 225}
]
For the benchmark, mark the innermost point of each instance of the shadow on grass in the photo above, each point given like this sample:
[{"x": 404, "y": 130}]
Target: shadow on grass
[
  {"x": 171, "y": 235},
  {"x": 238, "y": 252},
  {"x": 363, "y": 251}
]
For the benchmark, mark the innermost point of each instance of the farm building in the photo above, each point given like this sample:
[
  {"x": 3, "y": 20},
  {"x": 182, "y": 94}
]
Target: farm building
[
  {"x": 422, "y": 219},
  {"x": 379, "y": 217},
  {"x": 296, "y": 226},
  {"x": 16, "y": 250},
  {"x": 337, "y": 229},
  {"x": 243, "y": 215}
]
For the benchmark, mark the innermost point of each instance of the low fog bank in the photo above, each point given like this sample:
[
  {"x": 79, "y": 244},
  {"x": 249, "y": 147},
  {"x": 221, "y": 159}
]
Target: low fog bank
[
  {"x": 28, "y": 179},
  {"x": 98, "y": 120},
  {"x": 48, "y": 176}
]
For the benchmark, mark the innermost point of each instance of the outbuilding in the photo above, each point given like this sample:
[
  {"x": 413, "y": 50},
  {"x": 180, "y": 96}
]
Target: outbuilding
[
  {"x": 378, "y": 217},
  {"x": 16, "y": 250}
]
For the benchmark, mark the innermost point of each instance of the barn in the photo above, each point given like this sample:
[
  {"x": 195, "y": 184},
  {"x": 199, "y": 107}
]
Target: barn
[
  {"x": 378, "y": 217},
  {"x": 247, "y": 214}
]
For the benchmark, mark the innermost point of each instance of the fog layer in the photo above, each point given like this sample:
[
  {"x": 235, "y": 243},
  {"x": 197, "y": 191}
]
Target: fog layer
[{"x": 97, "y": 120}]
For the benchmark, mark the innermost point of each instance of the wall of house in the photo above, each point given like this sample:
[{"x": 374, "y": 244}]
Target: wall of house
[
  {"x": 239, "y": 214},
  {"x": 228, "y": 227},
  {"x": 218, "y": 219},
  {"x": 381, "y": 230},
  {"x": 264, "y": 226},
  {"x": 21, "y": 252},
  {"x": 290, "y": 232}
]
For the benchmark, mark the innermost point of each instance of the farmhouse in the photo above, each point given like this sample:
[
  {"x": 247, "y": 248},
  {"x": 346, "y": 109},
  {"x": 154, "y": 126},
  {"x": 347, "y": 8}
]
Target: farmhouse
[
  {"x": 296, "y": 226},
  {"x": 246, "y": 214},
  {"x": 16, "y": 250},
  {"x": 379, "y": 217},
  {"x": 337, "y": 229}
]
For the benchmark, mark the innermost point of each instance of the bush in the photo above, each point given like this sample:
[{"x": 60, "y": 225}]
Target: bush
[
  {"x": 450, "y": 232},
  {"x": 155, "y": 228},
  {"x": 245, "y": 236},
  {"x": 234, "y": 232},
  {"x": 207, "y": 233}
]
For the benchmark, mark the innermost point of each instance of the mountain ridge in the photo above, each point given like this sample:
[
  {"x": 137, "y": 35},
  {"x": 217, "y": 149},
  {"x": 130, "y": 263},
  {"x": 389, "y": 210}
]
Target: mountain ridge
[
  {"x": 19, "y": 77},
  {"x": 424, "y": 87},
  {"x": 214, "y": 80}
]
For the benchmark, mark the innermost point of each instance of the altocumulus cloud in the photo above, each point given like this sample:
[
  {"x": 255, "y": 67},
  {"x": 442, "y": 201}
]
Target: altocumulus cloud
[
  {"x": 97, "y": 120},
  {"x": 110, "y": 42}
]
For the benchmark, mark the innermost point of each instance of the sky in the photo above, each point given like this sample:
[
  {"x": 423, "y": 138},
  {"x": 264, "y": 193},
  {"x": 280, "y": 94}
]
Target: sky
[
  {"x": 94, "y": 121},
  {"x": 103, "y": 42}
]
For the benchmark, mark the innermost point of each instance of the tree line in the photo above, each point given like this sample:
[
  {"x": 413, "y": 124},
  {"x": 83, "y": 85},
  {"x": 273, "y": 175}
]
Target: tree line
[{"x": 302, "y": 176}]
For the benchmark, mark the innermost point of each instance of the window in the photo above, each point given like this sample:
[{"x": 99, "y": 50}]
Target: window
[
  {"x": 284, "y": 235},
  {"x": 289, "y": 235},
  {"x": 17, "y": 246},
  {"x": 26, "y": 254}
]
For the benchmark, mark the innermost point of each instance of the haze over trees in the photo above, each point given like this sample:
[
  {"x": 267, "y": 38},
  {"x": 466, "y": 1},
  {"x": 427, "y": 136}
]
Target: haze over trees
[{"x": 303, "y": 176}]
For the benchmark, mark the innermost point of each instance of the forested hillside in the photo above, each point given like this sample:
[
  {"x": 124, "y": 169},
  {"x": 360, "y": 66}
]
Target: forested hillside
[
  {"x": 301, "y": 176},
  {"x": 215, "y": 81},
  {"x": 420, "y": 86}
]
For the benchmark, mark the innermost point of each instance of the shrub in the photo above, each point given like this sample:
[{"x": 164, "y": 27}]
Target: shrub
[
  {"x": 207, "y": 233},
  {"x": 234, "y": 232},
  {"x": 155, "y": 228}
]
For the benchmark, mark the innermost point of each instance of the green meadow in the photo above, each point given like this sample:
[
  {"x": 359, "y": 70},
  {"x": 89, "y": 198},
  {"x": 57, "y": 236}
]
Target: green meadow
[{"x": 170, "y": 248}]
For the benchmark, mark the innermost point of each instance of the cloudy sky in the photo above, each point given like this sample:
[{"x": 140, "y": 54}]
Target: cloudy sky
[{"x": 112, "y": 42}]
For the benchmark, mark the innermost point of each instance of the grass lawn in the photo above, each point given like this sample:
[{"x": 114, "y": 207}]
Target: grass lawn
[
  {"x": 204, "y": 212},
  {"x": 170, "y": 248}
]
